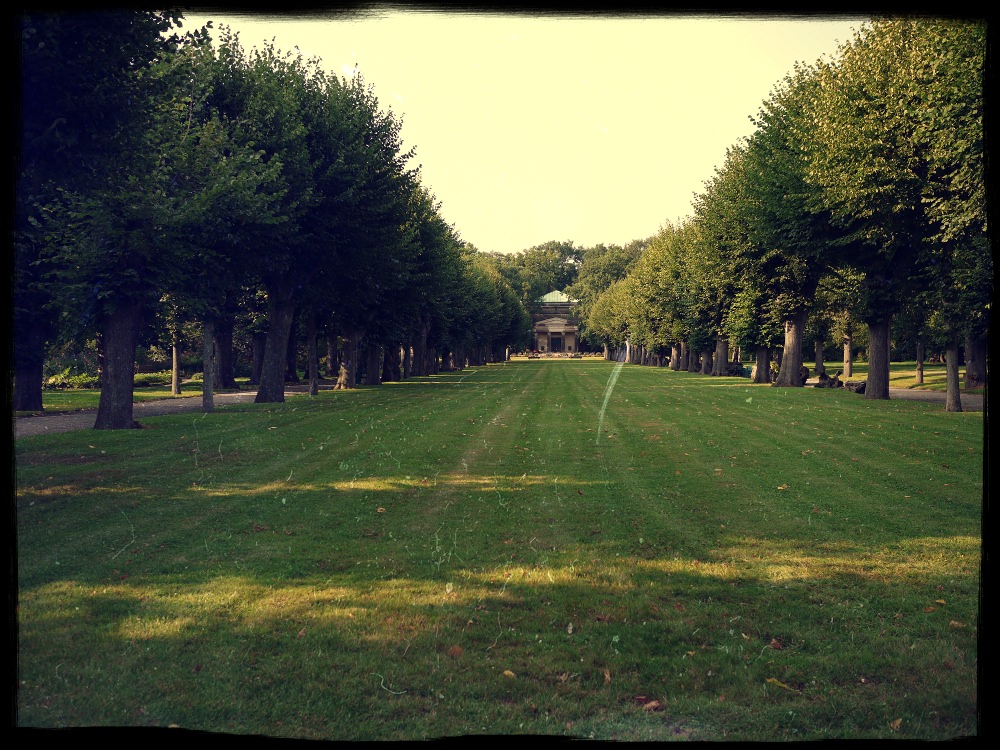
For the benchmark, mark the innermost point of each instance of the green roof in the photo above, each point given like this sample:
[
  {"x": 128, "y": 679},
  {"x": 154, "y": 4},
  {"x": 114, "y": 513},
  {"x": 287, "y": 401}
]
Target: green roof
[{"x": 556, "y": 297}]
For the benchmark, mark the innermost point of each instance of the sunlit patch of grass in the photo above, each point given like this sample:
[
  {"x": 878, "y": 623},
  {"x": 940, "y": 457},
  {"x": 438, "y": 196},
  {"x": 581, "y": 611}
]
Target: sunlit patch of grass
[
  {"x": 909, "y": 561},
  {"x": 395, "y": 484}
]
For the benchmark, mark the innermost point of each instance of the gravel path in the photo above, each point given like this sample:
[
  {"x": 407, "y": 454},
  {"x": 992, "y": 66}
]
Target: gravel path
[{"x": 84, "y": 420}]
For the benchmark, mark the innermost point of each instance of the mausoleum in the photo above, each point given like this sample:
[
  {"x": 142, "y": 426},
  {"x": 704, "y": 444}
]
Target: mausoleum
[{"x": 555, "y": 330}]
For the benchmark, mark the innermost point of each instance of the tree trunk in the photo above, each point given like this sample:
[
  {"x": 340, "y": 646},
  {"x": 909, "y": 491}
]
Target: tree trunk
[
  {"x": 280, "y": 311},
  {"x": 721, "y": 356},
  {"x": 291, "y": 365},
  {"x": 259, "y": 343},
  {"x": 225, "y": 376},
  {"x": 373, "y": 367},
  {"x": 407, "y": 362},
  {"x": 207, "y": 366},
  {"x": 331, "y": 355},
  {"x": 820, "y": 369},
  {"x": 348, "y": 375},
  {"x": 392, "y": 369},
  {"x": 848, "y": 359},
  {"x": 920, "y": 361},
  {"x": 29, "y": 366},
  {"x": 682, "y": 363},
  {"x": 175, "y": 362},
  {"x": 421, "y": 364},
  {"x": 706, "y": 362},
  {"x": 675, "y": 357},
  {"x": 790, "y": 372},
  {"x": 762, "y": 368},
  {"x": 975, "y": 361},
  {"x": 313, "y": 363},
  {"x": 100, "y": 359},
  {"x": 878, "y": 358},
  {"x": 119, "y": 337},
  {"x": 953, "y": 399},
  {"x": 694, "y": 362}
]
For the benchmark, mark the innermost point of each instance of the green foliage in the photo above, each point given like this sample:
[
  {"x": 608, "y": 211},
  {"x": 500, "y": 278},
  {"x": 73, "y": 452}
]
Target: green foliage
[
  {"x": 66, "y": 379},
  {"x": 146, "y": 379},
  {"x": 533, "y": 273},
  {"x": 600, "y": 267}
]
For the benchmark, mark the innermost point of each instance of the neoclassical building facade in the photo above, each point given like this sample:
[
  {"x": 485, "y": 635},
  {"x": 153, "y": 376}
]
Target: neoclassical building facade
[{"x": 555, "y": 330}]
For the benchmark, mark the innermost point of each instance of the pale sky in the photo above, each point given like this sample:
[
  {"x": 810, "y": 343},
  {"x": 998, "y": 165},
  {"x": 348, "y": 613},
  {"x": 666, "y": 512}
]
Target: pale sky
[{"x": 529, "y": 128}]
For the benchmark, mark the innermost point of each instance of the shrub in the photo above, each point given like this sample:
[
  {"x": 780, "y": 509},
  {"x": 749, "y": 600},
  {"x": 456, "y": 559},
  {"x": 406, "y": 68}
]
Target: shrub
[
  {"x": 65, "y": 379},
  {"x": 144, "y": 379}
]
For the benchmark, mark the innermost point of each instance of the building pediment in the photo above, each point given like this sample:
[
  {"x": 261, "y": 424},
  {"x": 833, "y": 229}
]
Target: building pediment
[{"x": 555, "y": 323}]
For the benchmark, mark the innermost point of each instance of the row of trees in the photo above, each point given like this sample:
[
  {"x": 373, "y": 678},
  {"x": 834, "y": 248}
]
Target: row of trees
[
  {"x": 162, "y": 179},
  {"x": 858, "y": 200}
]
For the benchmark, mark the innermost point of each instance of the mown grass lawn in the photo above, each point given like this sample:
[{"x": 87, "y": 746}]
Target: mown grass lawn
[{"x": 484, "y": 552}]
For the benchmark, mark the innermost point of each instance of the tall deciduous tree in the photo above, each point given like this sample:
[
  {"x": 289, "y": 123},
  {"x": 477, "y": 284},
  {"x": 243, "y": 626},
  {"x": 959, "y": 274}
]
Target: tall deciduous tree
[
  {"x": 791, "y": 240},
  {"x": 151, "y": 224},
  {"x": 84, "y": 109},
  {"x": 896, "y": 147}
]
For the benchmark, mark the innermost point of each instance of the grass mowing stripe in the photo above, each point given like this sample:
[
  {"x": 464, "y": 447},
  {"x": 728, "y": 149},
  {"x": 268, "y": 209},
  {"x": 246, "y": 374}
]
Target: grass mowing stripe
[{"x": 456, "y": 555}]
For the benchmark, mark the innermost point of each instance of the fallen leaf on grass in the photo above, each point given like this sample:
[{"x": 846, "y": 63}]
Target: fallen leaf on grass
[
  {"x": 718, "y": 472},
  {"x": 302, "y": 633},
  {"x": 956, "y": 624},
  {"x": 455, "y": 651},
  {"x": 929, "y": 609},
  {"x": 380, "y": 510},
  {"x": 507, "y": 673},
  {"x": 895, "y": 725},
  {"x": 775, "y": 644},
  {"x": 607, "y": 677},
  {"x": 780, "y": 684},
  {"x": 648, "y": 704},
  {"x": 783, "y": 487},
  {"x": 939, "y": 601}
]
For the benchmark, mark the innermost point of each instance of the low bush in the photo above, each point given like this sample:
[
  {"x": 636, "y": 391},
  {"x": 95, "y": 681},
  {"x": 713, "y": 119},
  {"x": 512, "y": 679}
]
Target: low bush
[
  {"x": 65, "y": 379},
  {"x": 144, "y": 379}
]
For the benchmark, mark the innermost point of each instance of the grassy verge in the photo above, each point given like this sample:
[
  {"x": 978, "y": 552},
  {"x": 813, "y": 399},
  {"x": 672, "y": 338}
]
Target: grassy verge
[
  {"x": 492, "y": 552},
  {"x": 901, "y": 375}
]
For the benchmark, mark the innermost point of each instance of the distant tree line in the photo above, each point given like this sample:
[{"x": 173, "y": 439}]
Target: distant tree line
[{"x": 168, "y": 188}]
